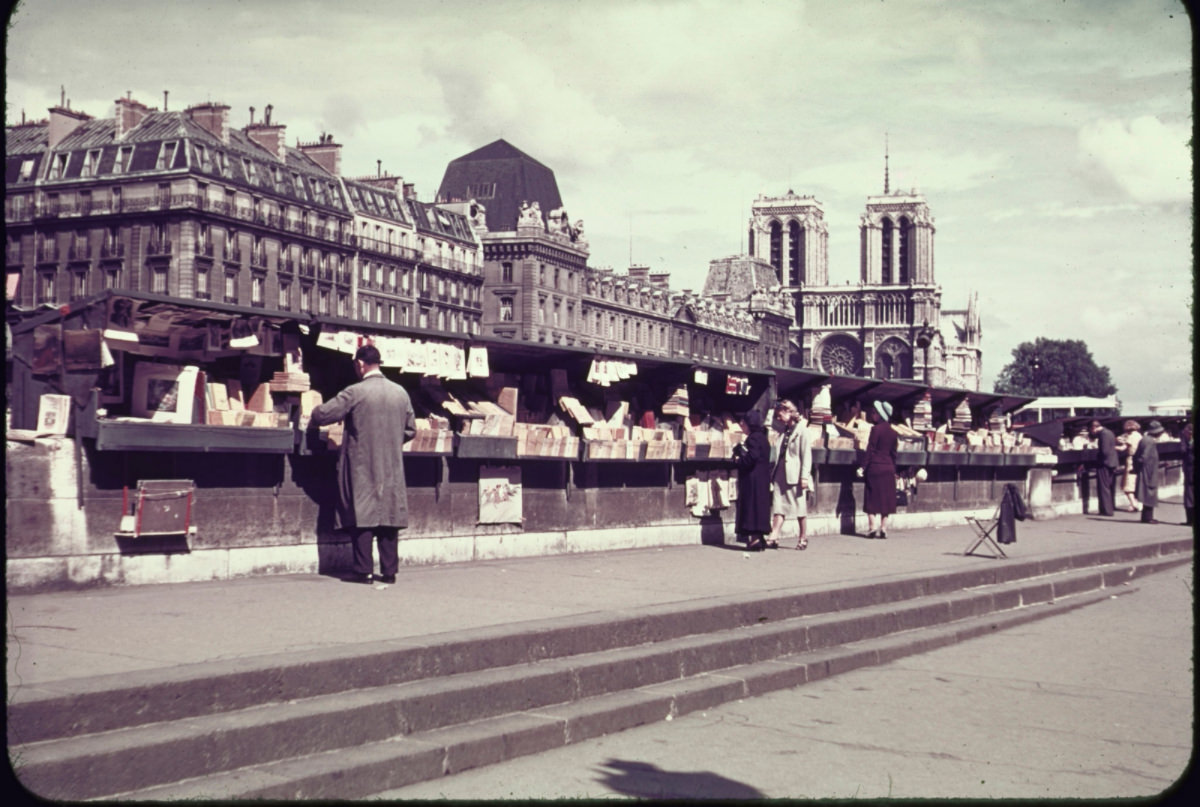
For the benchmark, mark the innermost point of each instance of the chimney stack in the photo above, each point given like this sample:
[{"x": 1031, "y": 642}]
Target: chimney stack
[
  {"x": 660, "y": 280},
  {"x": 270, "y": 137},
  {"x": 324, "y": 153},
  {"x": 63, "y": 121},
  {"x": 214, "y": 118},
  {"x": 129, "y": 113}
]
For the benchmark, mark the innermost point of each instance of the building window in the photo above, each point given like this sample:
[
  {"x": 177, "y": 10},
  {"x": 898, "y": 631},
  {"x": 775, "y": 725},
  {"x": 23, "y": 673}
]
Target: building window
[
  {"x": 285, "y": 296},
  {"x": 905, "y": 233},
  {"x": 26, "y": 169},
  {"x": 391, "y": 314},
  {"x": 506, "y": 309},
  {"x": 506, "y": 273},
  {"x": 379, "y": 312},
  {"x": 166, "y": 155},
  {"x": 158, "y": 280},
  {"x": 46, "y": 288},
  {"x": 306, "y": 299},
  {"x": 777, "y": 248},
  {"x": 795, "y": 253},
  {"x": 257, "y": 284},
  {"x": 202, "y": 290},
  {"x": 323, "y": 302},
  {"x": 91, "y": 162},
  {"x": 441, "y": 320},
  {"x": 112, "y": 279},
  {"x": 231, "y": 288},
  {"x": 59, "y": 166},
  {"x": 542, "y": 311},
  {"x": 79, "y": 281},
  {"x": 343, "y": 305},
  {"x": 886, "y": 252}
]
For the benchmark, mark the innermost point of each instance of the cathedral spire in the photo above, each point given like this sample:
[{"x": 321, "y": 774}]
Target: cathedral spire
[{"x": 885, "y": 163}]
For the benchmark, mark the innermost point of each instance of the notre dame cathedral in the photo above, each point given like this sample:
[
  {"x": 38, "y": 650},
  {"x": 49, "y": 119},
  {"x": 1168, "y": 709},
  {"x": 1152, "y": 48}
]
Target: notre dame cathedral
[{"x": 891, "y": 325}]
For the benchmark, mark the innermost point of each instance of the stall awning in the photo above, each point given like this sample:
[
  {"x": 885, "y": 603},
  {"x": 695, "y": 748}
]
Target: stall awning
[{"x": 793, "y": 381}]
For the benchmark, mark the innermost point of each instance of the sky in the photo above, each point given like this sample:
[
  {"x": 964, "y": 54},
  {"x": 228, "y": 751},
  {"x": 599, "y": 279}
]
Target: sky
[{"x": 1049, "y": 137}]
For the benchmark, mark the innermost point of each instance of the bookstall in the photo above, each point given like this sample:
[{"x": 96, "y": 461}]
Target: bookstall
[{"x": 955, "y": 447}]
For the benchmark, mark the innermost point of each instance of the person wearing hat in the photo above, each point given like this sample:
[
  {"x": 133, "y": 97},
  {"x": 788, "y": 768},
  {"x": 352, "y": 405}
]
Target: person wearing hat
[
  {"x": 879, "y": 469},
  {"x": 1145, "y": 463},
  {"x": 753, "y": 459}
]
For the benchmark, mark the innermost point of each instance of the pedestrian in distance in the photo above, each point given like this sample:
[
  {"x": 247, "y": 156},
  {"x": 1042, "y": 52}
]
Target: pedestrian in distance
[
  {"x": 1107, "y": 463},
  {"x": 1145, "y": 463},
  {"x": 879, "y": 469},
  {"x": 753, "y": 459},
  {"x": 372, "y": 500},
  {"x": 791, "y": 473},
  {"x": 1189, "y": 470},
  {"x": 1127, "y": 445}
]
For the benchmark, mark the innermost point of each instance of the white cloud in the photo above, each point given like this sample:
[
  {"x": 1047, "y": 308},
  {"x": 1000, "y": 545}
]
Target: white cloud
[{"x": 1148, "y": 159}]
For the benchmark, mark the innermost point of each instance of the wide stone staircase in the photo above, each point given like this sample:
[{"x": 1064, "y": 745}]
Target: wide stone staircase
[{"x": 347, "y": 722}]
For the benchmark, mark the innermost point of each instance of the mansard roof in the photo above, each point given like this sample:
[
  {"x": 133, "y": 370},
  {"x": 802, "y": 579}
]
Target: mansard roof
[
  {"x": 372, "y": 201},
  {"x": 501, "y": 177},
  {"x": 238, "y": 161},
  {"x": 438, "y": 221}
]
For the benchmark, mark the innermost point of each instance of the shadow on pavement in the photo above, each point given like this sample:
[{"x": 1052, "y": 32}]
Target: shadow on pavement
[{"x": 643, "y": 780}]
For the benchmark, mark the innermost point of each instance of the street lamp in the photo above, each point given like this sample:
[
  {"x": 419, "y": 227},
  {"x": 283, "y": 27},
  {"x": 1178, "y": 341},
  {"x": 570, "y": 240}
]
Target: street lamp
[{"x": 924, "y": 339}]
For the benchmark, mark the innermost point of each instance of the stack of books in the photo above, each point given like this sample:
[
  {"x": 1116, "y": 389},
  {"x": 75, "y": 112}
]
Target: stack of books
[{"x": 290, "y": 382}]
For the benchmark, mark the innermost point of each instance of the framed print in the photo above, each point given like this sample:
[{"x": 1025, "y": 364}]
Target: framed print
[{"x": 164, "y": 392}]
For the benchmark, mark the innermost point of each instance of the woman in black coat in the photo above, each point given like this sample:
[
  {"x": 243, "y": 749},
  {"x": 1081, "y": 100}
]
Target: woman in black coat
[
  {"x": 879, "y": 470},
  {"x": 753, "y": 458}
]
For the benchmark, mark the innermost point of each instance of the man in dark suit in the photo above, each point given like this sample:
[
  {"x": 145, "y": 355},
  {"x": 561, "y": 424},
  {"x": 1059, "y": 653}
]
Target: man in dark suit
[
  {"x": 1106, "y": 468},
  {"x": 372, "y": 497}
]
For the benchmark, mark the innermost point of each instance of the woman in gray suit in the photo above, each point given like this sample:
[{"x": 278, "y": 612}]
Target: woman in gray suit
[{"x": 791, "y": 474}]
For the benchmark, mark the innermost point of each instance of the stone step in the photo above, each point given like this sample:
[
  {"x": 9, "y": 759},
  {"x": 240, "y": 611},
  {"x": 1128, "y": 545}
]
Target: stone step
[
  {"x": 276, "y": 730},
  {"x": 102, "y": 703},
  {"x": 373, "y": 768}
]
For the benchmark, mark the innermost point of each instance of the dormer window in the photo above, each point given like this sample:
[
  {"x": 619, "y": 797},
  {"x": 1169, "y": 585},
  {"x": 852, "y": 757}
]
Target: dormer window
[
  {"x": 166, "y": 155},
  {"x": 26, "y": 169},
  {"x": 201, "y": 154},
  {"x": 91, "y": 163},
  {"x": 248, "y": 169},
  {"x": 59, "y": 166},
  {"x": 121, "y": 164}
]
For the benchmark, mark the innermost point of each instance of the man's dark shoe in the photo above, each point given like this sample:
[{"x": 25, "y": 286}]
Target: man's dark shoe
[
  {"x": 387, "y": 578},
  {"x": 358, "y": 578}
]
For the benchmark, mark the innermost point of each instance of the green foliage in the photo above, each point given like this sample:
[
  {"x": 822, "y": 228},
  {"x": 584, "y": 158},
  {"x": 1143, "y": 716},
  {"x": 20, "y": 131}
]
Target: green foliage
[{"x": 1054, "y": 367}]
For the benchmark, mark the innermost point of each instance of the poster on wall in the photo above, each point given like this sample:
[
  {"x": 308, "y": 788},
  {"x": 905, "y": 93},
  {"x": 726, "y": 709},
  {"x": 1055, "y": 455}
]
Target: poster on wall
[{"x": 500, "y": 495}]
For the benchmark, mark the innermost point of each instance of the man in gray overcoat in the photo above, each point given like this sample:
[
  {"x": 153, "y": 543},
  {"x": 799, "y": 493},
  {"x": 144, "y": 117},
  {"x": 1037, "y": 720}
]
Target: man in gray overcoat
[
  {"x": 1145, "y": 464},
  {"x": 1106, "y": 468},
  {"x": 372, "y": 497}
]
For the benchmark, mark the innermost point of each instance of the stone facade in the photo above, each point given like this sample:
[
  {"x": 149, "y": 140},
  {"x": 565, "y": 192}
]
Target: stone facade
[
  {"x": 181, "y": 203},
  {"x": 890, "y": 324}
]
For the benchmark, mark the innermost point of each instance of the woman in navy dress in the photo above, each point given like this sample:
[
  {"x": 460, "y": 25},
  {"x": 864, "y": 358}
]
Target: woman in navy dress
[{"x": 879, "y": 470}]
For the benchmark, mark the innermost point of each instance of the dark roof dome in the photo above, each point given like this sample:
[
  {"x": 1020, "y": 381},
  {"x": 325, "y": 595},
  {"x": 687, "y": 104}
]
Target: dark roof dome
[{"x": 501, "y": 177}]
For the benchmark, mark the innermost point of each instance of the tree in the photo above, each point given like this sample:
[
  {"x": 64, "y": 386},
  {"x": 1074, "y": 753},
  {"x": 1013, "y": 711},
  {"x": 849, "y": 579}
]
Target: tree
[{"x": 1054, "y": 367}]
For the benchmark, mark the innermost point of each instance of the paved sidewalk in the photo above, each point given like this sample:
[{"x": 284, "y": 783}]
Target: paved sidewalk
[{"x": 64, "y": 635}]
